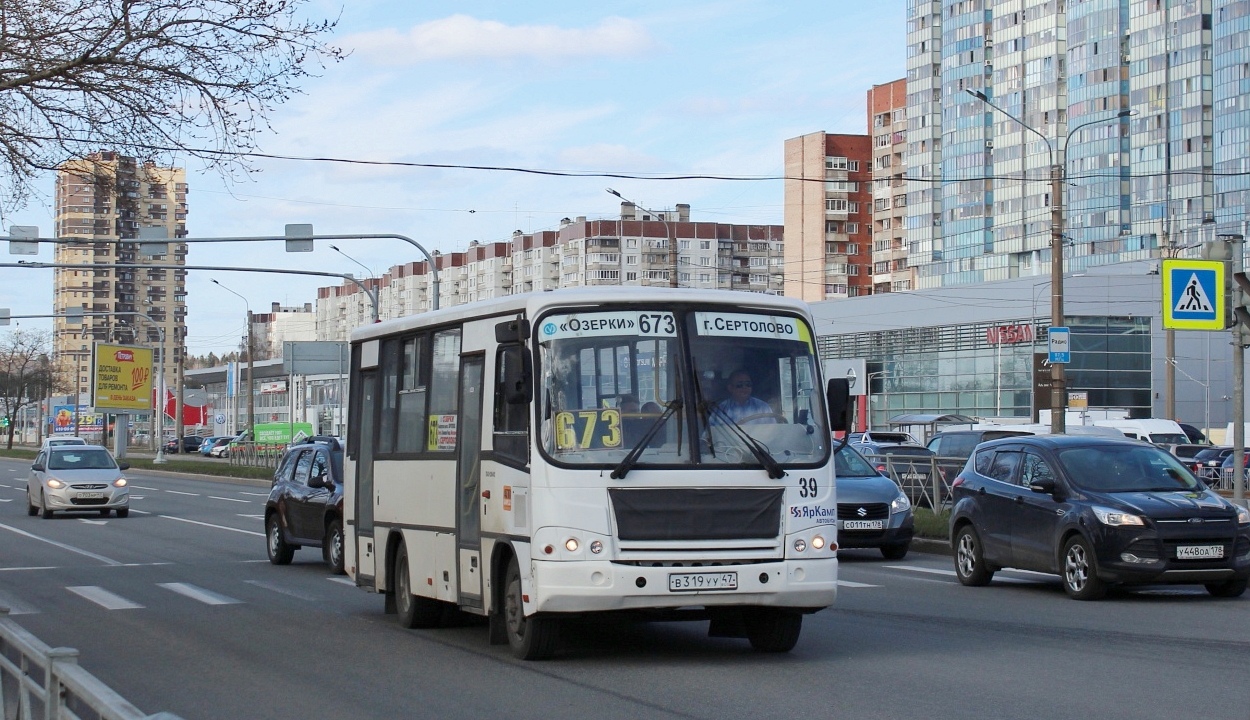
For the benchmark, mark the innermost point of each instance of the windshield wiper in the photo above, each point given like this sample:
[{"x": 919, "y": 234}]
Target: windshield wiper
[
  {"x": 757, "y": 449},
  {"x": 631, "y": 458}
]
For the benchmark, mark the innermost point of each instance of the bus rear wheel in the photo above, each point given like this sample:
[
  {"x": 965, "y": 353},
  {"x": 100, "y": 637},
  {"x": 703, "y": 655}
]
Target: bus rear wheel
[
  {"x": 772, "y": 630},
  {"x": 414, "y": 611},
  {"x": 531, "y": 638}
]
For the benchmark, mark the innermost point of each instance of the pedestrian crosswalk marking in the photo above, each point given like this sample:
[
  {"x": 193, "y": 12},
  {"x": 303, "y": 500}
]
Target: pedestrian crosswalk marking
[
  {"x": 208, "y": 597},
  {"x": 103, "y": 598},
  {"x": 849, "y": 584},
  {"x": 1193, "y": 298}
]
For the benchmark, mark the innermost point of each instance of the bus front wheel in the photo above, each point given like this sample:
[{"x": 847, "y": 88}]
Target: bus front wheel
[
  {"x": 772, "y": 629},
  {"x": 414, "y": 611},
  {"x": 531, "y": 638}
]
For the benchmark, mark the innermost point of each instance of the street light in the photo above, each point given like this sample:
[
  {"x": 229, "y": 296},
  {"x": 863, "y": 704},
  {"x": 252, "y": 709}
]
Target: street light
[
  {"x": 668, "y": 235},
  {"x": 1058, "y": 390},
  {"x": 368, "y": 272},
  {"x": 1239, "y": 380},
  {"x": 251, "y": 375}
]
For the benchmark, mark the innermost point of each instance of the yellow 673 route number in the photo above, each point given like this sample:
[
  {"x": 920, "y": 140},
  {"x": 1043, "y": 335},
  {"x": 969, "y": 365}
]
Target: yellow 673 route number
[{"x": 588, "y": 429}]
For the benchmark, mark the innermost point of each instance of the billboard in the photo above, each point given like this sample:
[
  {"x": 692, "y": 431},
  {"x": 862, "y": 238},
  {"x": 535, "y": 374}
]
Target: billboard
[{"x": 121, "y": 377}]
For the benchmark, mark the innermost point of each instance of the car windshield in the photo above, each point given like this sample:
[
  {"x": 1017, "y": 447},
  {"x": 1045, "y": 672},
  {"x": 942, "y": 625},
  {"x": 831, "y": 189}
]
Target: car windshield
[
  {"x": 1126, "y": 468},
  {"x": 81, "y": 460},
  {"x": 1169, "y": 438},
  {"x": 849, "y": 463},
  {"x": 637, "y": 383},
  {"x": 904, "y": 450}
]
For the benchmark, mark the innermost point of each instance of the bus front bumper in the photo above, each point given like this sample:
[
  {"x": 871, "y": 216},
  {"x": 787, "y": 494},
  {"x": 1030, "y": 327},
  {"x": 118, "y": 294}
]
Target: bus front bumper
[{"x": 594, "y": 586}]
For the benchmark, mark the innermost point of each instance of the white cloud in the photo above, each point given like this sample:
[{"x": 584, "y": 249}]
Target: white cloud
[{"x": 465, "y": 37}]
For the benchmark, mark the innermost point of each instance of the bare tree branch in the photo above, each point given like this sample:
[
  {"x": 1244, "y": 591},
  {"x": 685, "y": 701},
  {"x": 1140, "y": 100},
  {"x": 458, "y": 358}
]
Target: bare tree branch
[
  {"x": 26, "y": 374},
  {"x": 158, "y": 80}
]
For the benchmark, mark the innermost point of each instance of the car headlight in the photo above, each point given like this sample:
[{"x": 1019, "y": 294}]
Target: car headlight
[
  {"x": 1107, "y": 516},
  {"x": 119, "y": 482},
  {"x": 1243, "y": 515},
  {"x": 55, "y": 484},
  {"x": 900, "y": 503}
]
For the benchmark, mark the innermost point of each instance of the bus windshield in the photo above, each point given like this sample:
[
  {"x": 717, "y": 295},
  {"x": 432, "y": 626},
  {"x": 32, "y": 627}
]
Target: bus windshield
[{"x": 641, "y": 383}]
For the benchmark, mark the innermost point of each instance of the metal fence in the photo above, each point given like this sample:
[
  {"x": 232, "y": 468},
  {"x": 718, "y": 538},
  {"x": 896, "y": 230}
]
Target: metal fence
[
  {"x": 925, "y": 480},
  {"x": 253, "y": 454},
  {"x": 46, "y": 683}
]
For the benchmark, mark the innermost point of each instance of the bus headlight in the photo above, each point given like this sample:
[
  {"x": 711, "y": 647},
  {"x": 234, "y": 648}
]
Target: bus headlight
[
  {"x": 571, "y": 544},
  {"x": 596, "y": 547},
  {"x": 800, "y": 545},
  {"x": 818, "y": 543}
]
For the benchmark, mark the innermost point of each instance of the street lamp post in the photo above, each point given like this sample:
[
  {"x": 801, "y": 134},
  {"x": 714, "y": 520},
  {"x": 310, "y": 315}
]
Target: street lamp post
[
  {"x": 251, "y": 374},
  {"x": 668, "y": 235},
  {"x": 1237, "y": 241},
  {"x": 1058, "y": 389}
]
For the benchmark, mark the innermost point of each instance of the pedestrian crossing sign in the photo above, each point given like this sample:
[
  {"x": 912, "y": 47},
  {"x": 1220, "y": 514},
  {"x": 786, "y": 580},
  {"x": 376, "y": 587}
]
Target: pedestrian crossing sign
[{"x": 1194, "y": 295}]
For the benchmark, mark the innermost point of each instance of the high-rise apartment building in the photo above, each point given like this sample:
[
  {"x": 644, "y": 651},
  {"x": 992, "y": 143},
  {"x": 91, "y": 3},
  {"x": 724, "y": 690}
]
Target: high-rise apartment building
[
  {"x": 633, "y": 251},
  {"x": 887, "y": 125},
  {"x": 1141, "y": 103},
  {"x": 828, "y": 216},
  {"x": 101, "y": 203}
]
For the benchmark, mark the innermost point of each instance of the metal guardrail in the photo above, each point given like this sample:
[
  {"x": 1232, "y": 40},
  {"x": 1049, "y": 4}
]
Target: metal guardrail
[
  {"x": 253, "y": 454},
  {"x": 38, "y": 682},
  {"x": 923, "y": 480}
]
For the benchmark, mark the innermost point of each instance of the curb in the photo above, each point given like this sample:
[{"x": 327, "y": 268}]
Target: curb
[
  {"x": 253, "y": 482},
  {"x": 930, "y": 546}
]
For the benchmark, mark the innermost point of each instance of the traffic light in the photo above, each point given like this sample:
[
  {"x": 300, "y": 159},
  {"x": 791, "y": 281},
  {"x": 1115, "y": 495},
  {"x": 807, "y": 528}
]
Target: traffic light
[{"x": 1240, "y": 319}]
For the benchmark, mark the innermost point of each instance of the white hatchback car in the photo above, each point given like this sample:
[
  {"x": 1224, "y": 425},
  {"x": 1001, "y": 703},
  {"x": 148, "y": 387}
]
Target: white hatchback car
[
  {"x": 62, "y": 440},
  {"x": 77, "y": 478}
]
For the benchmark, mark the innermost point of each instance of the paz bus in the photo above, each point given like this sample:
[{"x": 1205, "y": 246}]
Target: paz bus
[{"x": 570, "y": 452}]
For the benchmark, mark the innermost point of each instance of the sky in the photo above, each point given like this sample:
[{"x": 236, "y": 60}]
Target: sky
[{"x": 644, "y": 88}]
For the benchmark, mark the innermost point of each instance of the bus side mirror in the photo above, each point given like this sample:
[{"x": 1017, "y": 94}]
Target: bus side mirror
[
  {"x": 516, "y": 375},
  {"x": 841, "y": 410}
]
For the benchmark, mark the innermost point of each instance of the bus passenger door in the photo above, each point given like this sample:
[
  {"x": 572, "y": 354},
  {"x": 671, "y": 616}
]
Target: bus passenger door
[
  {"x": 362, "y": 536},
  {"x": 469, "y": 480}
]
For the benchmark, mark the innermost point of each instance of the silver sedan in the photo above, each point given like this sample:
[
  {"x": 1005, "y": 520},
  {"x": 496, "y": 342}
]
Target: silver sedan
[{"x": 77, "y": 478}]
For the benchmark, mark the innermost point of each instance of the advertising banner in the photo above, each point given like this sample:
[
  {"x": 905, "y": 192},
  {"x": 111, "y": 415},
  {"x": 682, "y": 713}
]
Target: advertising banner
[
  {"x": 282, "y": 433},
  {"x": 121, "y": 377}
]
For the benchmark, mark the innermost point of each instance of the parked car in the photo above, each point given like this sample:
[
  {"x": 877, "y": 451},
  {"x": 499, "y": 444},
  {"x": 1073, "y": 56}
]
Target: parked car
[
  {"x": 1226, "y": 468},
  {"x": 212, "y": 443},
  {"x": 867, "y": 442},
  {"x": 1186, "y": 451},
  {"x": 1195, "y": 435},
  {"x": 305, "y": 505},
  {"x": 77, "y": 478},
  {"x": 1096, "y": 511},
  {"x": 953, "y": 447},
  {"x": 190, "y": 443},
  {"x": 872, "y": 511},
  {"x": 63, "y": 440}
]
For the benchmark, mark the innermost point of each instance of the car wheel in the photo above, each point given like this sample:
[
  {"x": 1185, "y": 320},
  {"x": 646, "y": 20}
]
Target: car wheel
[
  {"x": 333, "y": 544},
  {"x": 1080, "y": 571},
  {"x": 531, "y": 638},
  {"x": 31, "y": 510},
  {"x": 772, "y": 630},
  {"x": 280, "y": 553},
  {"x": 414, "y": 611},
  {"x": 43, "y": 503},
  {"x": 895, "y": 552},
  {"x": 123, "y": 512},
  {"x": 970, "y": 565},
  {"x": 1229, "y": 588}
]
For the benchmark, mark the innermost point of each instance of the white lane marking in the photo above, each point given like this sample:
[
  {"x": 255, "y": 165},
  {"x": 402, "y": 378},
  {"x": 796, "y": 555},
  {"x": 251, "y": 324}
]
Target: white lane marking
[
  {"x": 141, "y": 512},
  {"x": 219, "y": 527},
  {"x": 151, "y": 564},
  {"x": 93, "y": 522},
  {"x": 138, "y": 497},
  {"x": 103, "y": 598},
  {"x": 33, "y": 567},
  {"x": 265, "y": 495},
  {"x": 342, "y": 581},
  {"x": 63, "y": 546},
  {"x": 179, "y": 492},
  {"x": 214, "y": 497},
  {"x": 141, "y": 487},
  {"x": 6, "y": 499},
  {"x": 251, "y": 517},
  {"x": 951, "y": 573},
  {"x": 849, "y": 584},
  {"x": 281, "y": 590},
  {"x": 4, "y": 486},
  {"x": 208, "y": 597}
]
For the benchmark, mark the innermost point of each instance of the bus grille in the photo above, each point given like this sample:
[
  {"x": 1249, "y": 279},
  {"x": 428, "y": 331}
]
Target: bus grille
[{"x": 696, "y": 514}]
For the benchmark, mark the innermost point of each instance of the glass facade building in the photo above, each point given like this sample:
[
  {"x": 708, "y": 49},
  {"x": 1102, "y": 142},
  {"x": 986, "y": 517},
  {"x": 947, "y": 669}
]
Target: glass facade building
[{"x": 1230, "y": 47}]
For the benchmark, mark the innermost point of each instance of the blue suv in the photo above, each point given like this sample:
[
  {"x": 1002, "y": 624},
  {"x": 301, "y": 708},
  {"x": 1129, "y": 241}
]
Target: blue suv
[{"x": 1096, "y": 511}]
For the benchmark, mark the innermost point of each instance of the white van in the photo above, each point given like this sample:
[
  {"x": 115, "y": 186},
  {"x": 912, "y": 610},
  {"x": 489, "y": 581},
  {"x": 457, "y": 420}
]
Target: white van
[{"x": 1152, "y": 430}]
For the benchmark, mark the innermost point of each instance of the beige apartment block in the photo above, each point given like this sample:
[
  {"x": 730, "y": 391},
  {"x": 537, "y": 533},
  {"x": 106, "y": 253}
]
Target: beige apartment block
[{"x": 102, "y": 201}]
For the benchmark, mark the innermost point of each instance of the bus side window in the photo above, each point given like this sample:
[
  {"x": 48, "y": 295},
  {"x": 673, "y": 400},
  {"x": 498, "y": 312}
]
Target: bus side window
[{"x": 513, "y": 391}]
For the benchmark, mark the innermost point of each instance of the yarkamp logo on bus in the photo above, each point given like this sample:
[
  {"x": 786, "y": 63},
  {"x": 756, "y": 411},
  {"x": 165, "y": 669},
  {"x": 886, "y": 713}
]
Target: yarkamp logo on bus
[
  {"x": 822, "y": 515},
  {"x": 124, "y": 356}
]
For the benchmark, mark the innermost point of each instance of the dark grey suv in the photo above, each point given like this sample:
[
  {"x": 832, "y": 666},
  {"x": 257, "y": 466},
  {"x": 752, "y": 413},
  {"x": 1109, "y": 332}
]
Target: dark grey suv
[{"x": 1095, "y": 511}]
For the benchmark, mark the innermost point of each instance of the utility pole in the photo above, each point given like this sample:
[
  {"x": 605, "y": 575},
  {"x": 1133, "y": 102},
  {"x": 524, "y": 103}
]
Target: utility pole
[
  {"x": 251, "y": 382},
  {"x": 1058, "y": 390}
]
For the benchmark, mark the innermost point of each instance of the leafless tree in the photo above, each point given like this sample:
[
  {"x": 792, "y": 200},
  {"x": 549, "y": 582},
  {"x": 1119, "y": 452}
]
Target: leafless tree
[
  {"x": 158, "y": 80},
  {"x": 26, "y": 374}
]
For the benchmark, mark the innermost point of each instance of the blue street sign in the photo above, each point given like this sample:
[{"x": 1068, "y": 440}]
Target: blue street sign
[{"x": 1060, "y": 345}]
